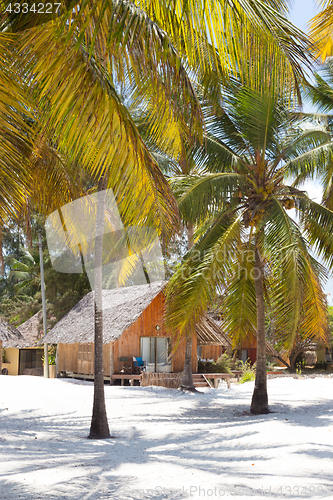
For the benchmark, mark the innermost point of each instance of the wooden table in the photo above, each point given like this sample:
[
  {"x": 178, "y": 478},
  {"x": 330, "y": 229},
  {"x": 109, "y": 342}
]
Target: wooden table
[{"x": 222, "y": 376}]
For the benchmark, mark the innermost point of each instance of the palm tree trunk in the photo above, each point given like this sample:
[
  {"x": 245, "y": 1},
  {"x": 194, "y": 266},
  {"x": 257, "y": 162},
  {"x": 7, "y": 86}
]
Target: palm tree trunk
[
  {"x": 259, "y": 404},
  {"x": 99, "y": 428},
  {"x": 28, "y": 234},
  {"x": 187, "y": 378},
  {"x": 292, "y": 360},
  {"x": 190, "y": 236}
]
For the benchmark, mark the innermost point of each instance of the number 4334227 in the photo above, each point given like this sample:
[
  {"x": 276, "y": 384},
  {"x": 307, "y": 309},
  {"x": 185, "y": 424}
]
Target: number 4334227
[{"x": 38, "y": 8}]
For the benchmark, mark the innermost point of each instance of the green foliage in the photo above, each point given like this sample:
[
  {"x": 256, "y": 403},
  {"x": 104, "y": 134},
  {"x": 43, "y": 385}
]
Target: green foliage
[
  {"x": 330, "y": 318},
  {"x": 270, "y": 365},
  {"x": 223, "y": 364},
  {"x": 247, "y": 377},
  {"x": 249, "y": 373},
  {"x": 52, "y": 352},
  {"x": 20, "y": 295},
  {"x": 244, "y": 198},
  {"x": 18, "y": 309},
  {"x": 4, "y": 359}
]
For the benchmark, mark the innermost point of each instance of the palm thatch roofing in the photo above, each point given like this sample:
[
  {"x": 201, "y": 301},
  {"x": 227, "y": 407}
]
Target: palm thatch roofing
[
  {"x": 8, "y": 332},
  {"x": 121, "y": 308},
  {"x": 226, "y": 340},
  {"x": 209, "y": 332},
  {"x": 31, "y": 333},
  {"x": 270, "y": 351}
]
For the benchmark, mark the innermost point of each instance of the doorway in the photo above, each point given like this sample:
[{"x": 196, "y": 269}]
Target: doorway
[{"x": 155, "y": 352}]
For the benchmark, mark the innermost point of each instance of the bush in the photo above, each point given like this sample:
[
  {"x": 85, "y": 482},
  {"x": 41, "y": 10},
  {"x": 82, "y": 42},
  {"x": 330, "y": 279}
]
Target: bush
[
  {"x": 247, "y": 377},
  {"x": 4, "y": 359},
  {"x": 249, "y": 373},
  {"x": 52, "y": 351},
  {"x": 222, "y": 365}
]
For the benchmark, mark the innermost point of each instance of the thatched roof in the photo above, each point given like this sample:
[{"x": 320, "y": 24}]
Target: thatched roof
[
  {"x": 270, "y": 351},
  {"x": 121, "y": 308},
  {"x": 8, "y": 332},
  {"x": 31, "y": 331},
  {"x": 209, "y": 332}
]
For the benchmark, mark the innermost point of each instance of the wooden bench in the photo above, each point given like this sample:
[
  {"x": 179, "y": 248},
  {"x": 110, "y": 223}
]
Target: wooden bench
[
  {"x": 122, "y": 377},
  {"x": 223, "y": 376}
]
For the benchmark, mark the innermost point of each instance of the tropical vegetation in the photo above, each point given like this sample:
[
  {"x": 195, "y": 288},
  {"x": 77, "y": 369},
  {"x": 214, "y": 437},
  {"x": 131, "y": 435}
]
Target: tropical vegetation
[
  {"x": 75, "y": 82},
  {"x": 249, "y": 249}
]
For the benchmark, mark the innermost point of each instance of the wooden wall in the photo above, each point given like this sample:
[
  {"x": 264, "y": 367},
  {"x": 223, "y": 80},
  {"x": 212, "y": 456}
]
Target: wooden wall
[
  {"x": 212, "y": 351},
  {"x": 72, "y": 359},
  {"x": 249, "y": 343},
  {"x": 128, "y": 345}
]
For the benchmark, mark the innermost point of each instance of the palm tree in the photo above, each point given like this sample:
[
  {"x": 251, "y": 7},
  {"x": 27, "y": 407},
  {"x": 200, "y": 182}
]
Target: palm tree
[
  {"x": 249, "y": 249},
  {"x": 25, "y": 273},
  {"x": 76, "y": 62},
  {"x": 321, "y": 30}
]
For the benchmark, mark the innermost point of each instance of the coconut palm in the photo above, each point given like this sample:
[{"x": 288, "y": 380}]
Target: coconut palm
[
  {"x": 78, "y": 60},
  {"x": 25, "y": 273},
  {"x": 249, "y": 249},
  {"x": 321, "y": 30}
]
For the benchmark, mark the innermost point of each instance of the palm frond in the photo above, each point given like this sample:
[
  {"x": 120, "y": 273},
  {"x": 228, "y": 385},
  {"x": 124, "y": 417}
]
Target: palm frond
[
  {"x": 321, "y": 30},
  {"x": 317, "y": 222},
  {"x": 199, "y": 195},
  {"x": 307, "y": 164},
  {"x": 202, "y": 274},
  {"x": 238, "y": 304}
]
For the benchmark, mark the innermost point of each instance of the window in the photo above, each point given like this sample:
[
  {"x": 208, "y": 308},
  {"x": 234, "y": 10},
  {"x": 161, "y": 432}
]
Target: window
[
  {"x": 85, "y": 352},
  {"x": 244, "y": 355},
  {"x": 31, "y": 359},
  {"x": 155, "y": 351}
]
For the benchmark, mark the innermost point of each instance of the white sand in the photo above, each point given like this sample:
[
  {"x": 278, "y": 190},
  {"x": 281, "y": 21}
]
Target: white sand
[{"x": 168, "y": 445}]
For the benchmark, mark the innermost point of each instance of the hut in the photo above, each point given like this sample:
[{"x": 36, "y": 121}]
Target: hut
[
  {"x": 8, "y": 333},
  {"x": 212, "y": 341},
  {"x": 133, "y": 327},
  {"x": 248, "y": 349},
  {"x": 24, "y": 355}
]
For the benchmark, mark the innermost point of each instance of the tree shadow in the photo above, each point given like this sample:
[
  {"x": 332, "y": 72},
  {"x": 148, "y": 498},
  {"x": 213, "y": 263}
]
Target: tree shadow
[{"x": 210, "y": 435}]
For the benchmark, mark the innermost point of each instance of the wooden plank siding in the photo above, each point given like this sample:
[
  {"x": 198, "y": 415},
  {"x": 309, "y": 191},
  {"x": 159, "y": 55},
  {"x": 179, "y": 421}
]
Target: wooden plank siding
[
  {"x": 249, "y": 343},
  {"x": 212, "y": 351},
  {"x": 128, "y": 344}
]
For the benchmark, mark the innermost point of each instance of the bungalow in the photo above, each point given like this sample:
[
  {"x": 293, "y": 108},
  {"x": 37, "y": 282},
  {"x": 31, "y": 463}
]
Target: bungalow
[
  {"x": 248, "y": 349},
  {"x": 7, "y": 334},
  {"x": 23, "y": 354},
  {"x": 212, "y": 341},
  {"x": 133, "y": 327}
]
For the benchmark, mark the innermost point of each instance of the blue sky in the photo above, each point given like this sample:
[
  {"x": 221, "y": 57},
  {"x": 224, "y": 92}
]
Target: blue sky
[
  {"x": 301, "y": 12},
  {"x": 300, "y": 15}
]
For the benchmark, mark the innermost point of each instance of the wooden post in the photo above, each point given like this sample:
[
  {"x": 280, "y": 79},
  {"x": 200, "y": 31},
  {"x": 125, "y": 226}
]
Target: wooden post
[
  {"x": 57, "y": 361},
  {"x": 46, "y": 350},
  {"x": 111, "y": 362}
]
